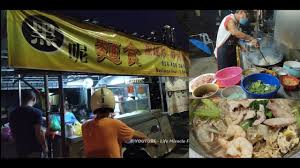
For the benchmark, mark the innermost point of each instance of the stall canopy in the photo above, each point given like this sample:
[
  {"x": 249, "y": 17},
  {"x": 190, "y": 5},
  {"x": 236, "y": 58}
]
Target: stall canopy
[{"x": 38, "y": 40}]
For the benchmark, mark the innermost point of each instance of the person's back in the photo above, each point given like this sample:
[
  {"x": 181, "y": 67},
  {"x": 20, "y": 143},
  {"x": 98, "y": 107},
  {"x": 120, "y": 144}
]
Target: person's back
[
  {"x": 22, "y": 121},
  {"x": 104, "y": 137},
  {"x": 25, "y": 124}
]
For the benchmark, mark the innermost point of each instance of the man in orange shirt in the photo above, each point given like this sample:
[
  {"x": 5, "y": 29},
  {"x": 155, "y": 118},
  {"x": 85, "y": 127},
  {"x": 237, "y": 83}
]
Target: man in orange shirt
[{"x": 103, "y": 136}]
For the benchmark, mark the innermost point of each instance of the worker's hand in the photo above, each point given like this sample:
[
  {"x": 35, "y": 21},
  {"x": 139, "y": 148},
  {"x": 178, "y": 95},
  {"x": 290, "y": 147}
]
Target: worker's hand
[{"x": 255, "y": 43}]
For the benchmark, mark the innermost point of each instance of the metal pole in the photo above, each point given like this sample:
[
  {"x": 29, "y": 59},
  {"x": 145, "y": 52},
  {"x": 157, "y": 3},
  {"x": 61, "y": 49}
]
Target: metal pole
[
  {"x": 20, "y": 92},
  {"x": 28, "y": 84},
  {"x": 163, "y": 109},
  {"x": 62, "y": 115},
  {"x": 47, "y": 112},
  {"x": 161, "y": 94}
]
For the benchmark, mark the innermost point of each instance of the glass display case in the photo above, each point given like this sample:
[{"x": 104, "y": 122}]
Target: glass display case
[{"x": 131, "y": 98}]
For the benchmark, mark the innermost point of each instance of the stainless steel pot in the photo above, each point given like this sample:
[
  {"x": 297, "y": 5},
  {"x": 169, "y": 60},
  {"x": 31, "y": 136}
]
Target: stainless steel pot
[{"x": 198, "y": 148}]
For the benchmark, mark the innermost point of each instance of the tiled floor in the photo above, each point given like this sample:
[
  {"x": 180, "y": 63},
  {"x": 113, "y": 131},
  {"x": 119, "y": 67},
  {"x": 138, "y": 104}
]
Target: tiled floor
[{"x": 202, "y": 65}]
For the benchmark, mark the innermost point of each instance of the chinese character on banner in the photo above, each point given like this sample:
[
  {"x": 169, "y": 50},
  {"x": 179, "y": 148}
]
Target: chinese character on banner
[
  {"x": 173, "y": 55},
  {"x": 163, "y": 52},
  {"x": 43, "y": 34},
  {"x": 78, "y": 51},
  {"x": 132, "y": 53},
  {"x": 108, "y": 50},
  {"x": 148, "y": 49}
]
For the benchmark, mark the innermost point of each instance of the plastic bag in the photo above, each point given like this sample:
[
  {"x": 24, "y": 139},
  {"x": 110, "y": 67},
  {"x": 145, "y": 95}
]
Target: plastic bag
[
  {"x": 77, "y": 129},
  {"x": 55, "y": 125}
]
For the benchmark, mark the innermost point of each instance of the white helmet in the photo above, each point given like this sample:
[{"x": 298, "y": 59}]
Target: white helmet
[{"x": 102, "y": 98}]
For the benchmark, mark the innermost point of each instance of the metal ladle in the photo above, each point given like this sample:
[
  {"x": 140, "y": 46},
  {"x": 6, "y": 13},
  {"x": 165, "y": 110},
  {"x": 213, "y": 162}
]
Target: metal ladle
[{"x": 263, "y": 56}]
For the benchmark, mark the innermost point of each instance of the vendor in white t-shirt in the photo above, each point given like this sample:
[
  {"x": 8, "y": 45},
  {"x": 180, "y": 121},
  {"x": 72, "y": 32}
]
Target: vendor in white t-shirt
[{"x": 228, "y": 37}]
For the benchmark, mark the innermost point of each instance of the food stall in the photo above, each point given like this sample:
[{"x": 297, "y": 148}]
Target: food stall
[
  {"x": 272, "y": 71},
  {"x": 251, "y": 110},
  {"x": 73, "y": 55}
]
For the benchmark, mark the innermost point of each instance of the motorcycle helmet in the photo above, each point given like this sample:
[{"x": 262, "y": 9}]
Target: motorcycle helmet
[{"x": 102, "y": 98}]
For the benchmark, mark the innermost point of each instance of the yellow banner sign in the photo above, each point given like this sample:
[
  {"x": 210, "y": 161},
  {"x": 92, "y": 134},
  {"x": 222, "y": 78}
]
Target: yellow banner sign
[{"x": 38, "y": 40}]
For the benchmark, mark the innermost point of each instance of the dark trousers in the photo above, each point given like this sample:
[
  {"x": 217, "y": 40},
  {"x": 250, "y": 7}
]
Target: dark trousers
[{"x": 226, "y": 56}]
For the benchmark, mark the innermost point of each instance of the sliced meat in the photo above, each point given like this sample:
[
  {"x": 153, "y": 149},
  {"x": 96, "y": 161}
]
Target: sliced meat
[
  {"x": 221, "y": 153},
  {"x": 210, "y": 129},
  {"x": 234, "y": 115},
  {"x": 233, "y": 104},
  {"x": 241, "y": 114},
  {"x": 253, "y": 136},
  {"x": 249, "y": 114},
  {"x": 228, "y": 120},
  {"x": 246, "y": 102},
  {"x": 196, "y": 121},
  {"x": 261, "y": 117},
  {"x": 223, "y": 142},
  {"x": 263, "y": 130},
  {"x": 287, "y": 140},
  {"x": 221, "y": 127},
  {"x": 203, "y": 135},
  {"x": 280, "y": 108},
  {"x": 239, "y": 118},
  {"x": 238, "y": 109},
  {"x": 279, "y": 122},
  {"x": 235, "y": 131}
]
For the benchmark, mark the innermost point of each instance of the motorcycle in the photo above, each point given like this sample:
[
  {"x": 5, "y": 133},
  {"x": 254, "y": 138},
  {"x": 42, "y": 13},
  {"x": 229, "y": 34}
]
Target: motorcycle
[{"x": 137, "y": 148}]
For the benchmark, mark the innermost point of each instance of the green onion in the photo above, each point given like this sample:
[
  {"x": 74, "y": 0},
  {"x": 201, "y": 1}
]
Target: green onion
[{"x": 247, "y": 123}]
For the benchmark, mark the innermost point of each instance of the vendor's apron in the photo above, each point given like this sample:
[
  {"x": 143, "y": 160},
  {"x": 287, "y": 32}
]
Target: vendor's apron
[{"x": 227, "y": 53}]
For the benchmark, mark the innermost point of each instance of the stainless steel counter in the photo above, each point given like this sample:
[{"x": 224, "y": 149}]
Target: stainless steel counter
[{"x": 141, "y": 122}]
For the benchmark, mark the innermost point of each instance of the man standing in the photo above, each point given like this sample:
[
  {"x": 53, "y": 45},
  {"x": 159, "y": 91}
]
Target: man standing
[
  {"x": 228, "y": 37},
  {"x": 103, "y": 136},
  {"x": 25, "y": 123}
]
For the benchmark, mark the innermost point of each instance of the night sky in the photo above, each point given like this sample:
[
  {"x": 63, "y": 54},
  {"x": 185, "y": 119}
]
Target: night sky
[{"x": 140, "y": 21}]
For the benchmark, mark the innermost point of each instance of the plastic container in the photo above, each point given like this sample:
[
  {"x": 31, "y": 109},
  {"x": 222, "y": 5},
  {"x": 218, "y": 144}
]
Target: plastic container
[
  {"x": 287, "y": 86},
  {"x": 198, "y": 81},
  {"x": 233, "y": 93},
  {"x": 293, "y": 68},
  {"x": 229, "y": 76},
  {"x": 200, "y": 91},
  {"x": 266, "y": 79}
]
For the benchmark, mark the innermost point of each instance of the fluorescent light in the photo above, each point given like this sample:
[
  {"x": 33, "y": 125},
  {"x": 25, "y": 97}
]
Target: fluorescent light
[{"x": 86, "y": 83}]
